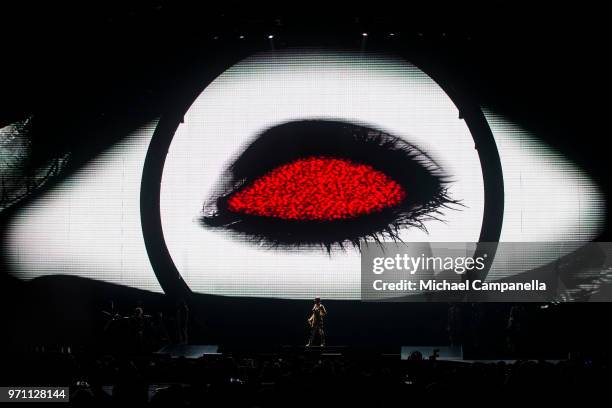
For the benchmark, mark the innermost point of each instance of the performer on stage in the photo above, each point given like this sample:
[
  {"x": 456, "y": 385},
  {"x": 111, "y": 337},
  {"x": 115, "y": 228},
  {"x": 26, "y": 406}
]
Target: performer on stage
[{"x": 316, "y": 322}]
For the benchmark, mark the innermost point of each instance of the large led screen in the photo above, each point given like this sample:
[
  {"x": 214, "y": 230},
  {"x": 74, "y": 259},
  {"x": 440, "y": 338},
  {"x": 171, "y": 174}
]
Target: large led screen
[{"x": 283, "y": 165}]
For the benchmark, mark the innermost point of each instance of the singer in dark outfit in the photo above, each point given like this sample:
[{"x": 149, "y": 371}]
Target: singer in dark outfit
[{"x": 316, "y": 322}]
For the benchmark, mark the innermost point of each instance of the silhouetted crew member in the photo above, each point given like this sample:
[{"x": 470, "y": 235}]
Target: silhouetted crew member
[{"x": 182, "y": 322}]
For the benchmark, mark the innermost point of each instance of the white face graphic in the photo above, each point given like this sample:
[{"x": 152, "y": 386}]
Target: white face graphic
[{"x": 90, "y": 224}]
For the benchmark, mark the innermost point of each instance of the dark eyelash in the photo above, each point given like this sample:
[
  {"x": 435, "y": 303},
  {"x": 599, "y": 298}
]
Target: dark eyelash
[{"x": 425, "y": 182}]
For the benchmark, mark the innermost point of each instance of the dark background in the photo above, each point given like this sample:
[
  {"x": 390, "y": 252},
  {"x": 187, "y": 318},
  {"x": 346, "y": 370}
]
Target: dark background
[{"x": 90, "y": 74}]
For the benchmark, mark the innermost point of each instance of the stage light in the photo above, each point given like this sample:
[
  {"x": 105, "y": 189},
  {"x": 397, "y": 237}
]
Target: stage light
[
  {"x": 364, "y": 34},
  {"x": 270, "y": 36}
]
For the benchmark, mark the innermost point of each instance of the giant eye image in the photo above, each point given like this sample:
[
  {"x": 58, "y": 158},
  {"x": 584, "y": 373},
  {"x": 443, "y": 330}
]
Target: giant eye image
[
  {"x": 282, "y": 167},
  {"x": 326, "y": 183}
]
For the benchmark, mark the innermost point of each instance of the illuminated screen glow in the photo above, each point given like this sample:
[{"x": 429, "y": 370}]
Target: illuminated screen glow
[
  {"x": 268, "y": 90},
  {"x": 89, "y": 224}
]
